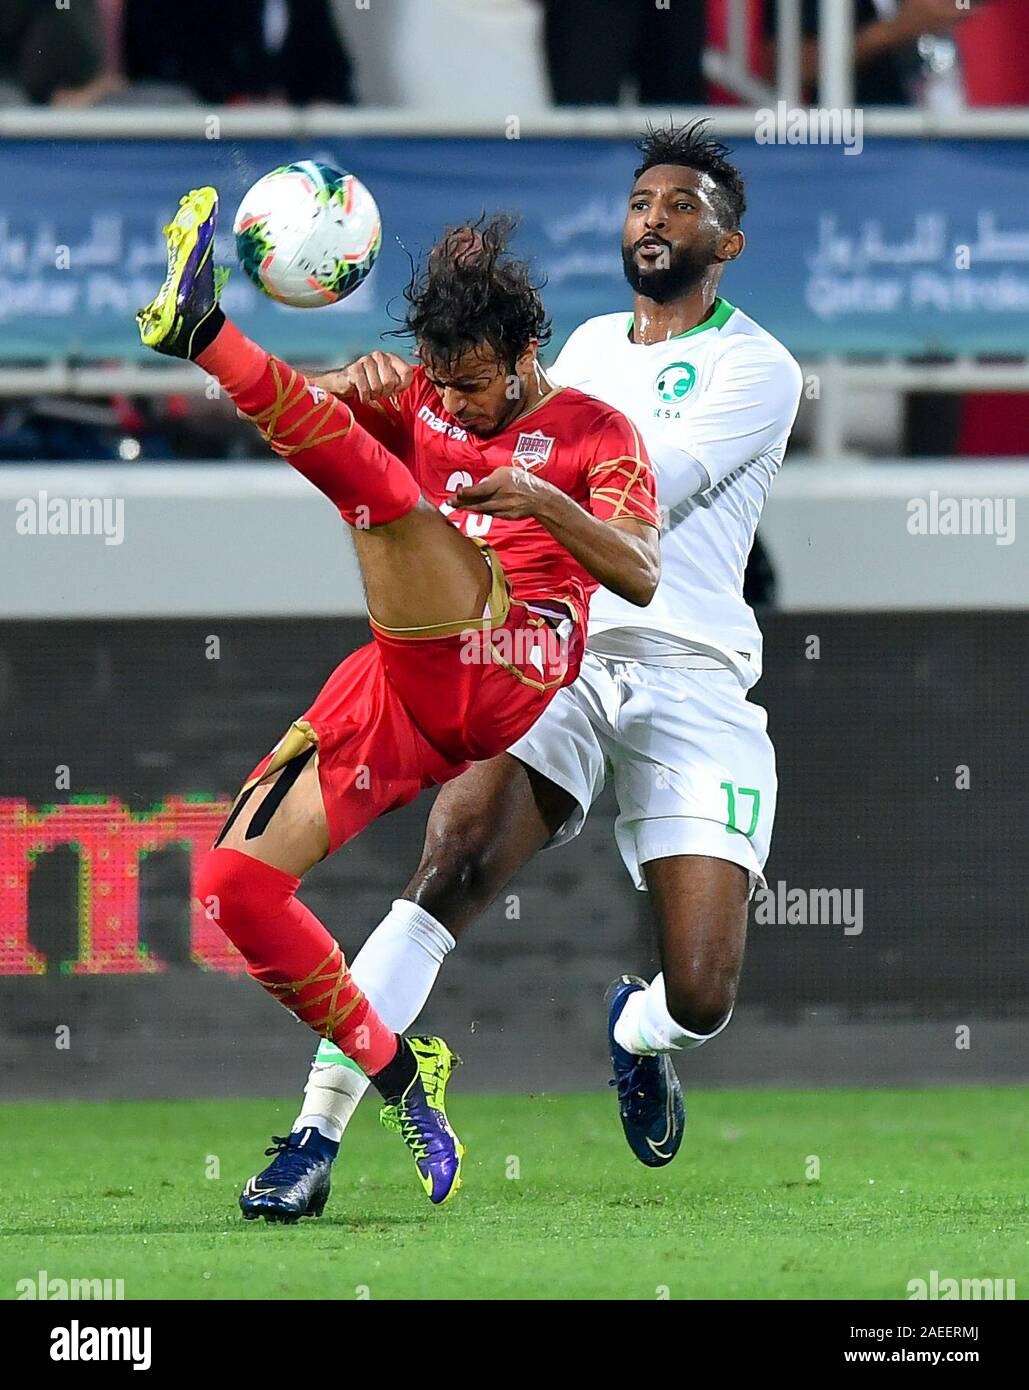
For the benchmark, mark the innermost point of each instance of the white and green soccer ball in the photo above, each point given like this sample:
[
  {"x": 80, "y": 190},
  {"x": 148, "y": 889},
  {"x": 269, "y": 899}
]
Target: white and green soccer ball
[{"x": 307, "y": 234}]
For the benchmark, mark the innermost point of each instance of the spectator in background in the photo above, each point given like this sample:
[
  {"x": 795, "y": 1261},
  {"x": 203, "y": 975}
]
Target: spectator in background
[
  {"x": 313, "y": 64},
  {"x": 901, "y": 47},
  {"x": 595, "y": 47},
  {"x": 263, "y": 49},
  {"x": 49, "y": 53}
]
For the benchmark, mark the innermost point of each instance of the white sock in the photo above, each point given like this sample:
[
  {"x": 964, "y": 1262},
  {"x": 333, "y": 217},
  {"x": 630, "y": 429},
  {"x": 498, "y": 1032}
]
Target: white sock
[
  {"x": 397, "y": 968},
  {"x": 645, "y": 1026}
]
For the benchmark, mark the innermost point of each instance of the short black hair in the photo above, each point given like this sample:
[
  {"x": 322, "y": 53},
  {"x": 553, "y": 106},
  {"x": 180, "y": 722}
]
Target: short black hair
[
  {"x": 691, "y": 146},
  {"x": 471, "y": 291}
]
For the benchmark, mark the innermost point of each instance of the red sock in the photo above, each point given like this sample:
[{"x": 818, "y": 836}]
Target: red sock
[
  {"x": 291, "y": 954},
  {"x": 368, "y": 484}
]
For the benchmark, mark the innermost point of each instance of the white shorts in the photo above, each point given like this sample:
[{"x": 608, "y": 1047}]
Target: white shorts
[{"x": 689, "y": 756}]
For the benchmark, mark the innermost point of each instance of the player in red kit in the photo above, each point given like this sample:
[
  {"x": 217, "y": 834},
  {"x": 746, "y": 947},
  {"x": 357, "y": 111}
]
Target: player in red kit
[{"x": 485, "y": 507}]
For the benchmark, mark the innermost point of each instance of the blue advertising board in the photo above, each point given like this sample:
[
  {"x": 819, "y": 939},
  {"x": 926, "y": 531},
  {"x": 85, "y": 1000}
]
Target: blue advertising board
[{"x": 909, "y": 247}]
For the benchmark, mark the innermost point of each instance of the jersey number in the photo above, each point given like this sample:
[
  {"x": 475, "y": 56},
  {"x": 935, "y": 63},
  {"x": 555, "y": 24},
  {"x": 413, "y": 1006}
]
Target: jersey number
[
  {"x": 755, "y": 808},
  {"x": 473, "y": 523}
]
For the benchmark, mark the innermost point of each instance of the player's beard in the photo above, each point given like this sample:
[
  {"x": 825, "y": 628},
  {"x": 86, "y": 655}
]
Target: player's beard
[{"x": 683, "y": 272}]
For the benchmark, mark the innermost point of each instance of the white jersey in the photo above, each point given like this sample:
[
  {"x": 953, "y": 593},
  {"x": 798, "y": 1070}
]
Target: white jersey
[{"x": 715, "y": 407}]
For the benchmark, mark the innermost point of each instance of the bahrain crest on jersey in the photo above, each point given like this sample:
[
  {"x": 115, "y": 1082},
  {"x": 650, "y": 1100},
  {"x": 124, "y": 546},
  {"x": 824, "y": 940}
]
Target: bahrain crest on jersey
[{"x": 532, "y": 450}]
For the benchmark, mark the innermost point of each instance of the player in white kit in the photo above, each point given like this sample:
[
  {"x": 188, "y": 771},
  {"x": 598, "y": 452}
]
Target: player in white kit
[{"x": 660, "y": 707}]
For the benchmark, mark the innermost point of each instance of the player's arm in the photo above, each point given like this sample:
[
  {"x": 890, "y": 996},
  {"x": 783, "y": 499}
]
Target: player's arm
[
  {"x": 617, "y": 539},
  {"x": 622, "y": 552},
  {"x": 374, "y": 387}
]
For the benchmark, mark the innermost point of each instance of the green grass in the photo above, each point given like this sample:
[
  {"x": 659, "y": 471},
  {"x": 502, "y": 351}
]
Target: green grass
[{"x": 910, "y": 1181}]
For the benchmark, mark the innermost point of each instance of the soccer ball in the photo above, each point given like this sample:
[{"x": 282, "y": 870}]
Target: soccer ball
[{"x": 307, "y": 234}]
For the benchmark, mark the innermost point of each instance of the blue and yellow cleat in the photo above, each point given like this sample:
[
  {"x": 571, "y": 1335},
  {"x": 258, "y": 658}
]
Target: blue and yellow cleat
[
  {"x": 649, "y": 1094},
  {"x": 297, "y": 1181},
  {"x": 420, "y": 1117},
  {"x": 189, "y": 295}
]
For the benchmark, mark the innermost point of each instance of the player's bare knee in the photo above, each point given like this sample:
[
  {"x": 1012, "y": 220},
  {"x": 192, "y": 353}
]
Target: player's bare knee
[
  {"x": 453, "y": 880},
  {"x": 458, "y": 866}
]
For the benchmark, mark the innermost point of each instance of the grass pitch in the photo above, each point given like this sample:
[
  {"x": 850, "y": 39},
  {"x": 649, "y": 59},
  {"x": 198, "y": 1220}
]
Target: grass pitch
[{"x": 554, "y": 1206}]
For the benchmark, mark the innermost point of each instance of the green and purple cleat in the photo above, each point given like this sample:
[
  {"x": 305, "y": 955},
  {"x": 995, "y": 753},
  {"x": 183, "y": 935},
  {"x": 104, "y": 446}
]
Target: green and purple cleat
[
  {"x": 420, "y": 1118},
  {"x": 184, "y": 304}
]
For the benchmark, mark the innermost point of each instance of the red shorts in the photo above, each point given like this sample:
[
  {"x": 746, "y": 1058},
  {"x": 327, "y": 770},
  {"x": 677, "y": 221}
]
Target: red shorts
[{"x": 405, "y": 713}]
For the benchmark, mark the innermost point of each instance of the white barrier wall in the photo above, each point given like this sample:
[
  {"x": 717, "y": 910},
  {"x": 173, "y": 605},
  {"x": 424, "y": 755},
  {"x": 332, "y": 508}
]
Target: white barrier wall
[{"x": 185, "y": 540}]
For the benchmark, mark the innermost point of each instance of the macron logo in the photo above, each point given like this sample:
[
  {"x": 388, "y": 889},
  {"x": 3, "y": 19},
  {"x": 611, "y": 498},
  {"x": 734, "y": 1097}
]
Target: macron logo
[{"x": 441, "y": 426}]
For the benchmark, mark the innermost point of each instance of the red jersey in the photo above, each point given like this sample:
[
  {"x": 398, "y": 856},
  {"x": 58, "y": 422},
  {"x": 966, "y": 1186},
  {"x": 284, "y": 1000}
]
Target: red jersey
[{"x": 585, "y": 448}]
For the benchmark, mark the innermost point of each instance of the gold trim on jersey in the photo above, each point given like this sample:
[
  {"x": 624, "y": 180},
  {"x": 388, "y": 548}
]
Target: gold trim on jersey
[
  {"x": 618, "y": 497},
  {"x": 291, "y": 745},
  {"x": 498, "y": 605},
  {"x": 534, "y": 622},
  {"x": 565, "y": 603},
  {"x": 543, "y": 400},
  {"x": 541, "y": 686}
]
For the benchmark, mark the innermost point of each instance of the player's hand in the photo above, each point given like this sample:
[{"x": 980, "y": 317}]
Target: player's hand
[
  {"x": 370, "y": 378},
  {"x": 513, "y": 493}
]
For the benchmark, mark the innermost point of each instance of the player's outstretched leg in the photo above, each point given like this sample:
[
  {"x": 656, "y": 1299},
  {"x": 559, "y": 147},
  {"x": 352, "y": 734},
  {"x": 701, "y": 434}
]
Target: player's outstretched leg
[
  {"x": 397, "y": 532},
  {"x": 650, "y": 1100},
  {"x": 368, "y": 485}
]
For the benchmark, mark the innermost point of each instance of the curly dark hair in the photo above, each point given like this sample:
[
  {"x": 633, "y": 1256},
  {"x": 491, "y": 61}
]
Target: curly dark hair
[
  {"x": 471, "y": 291},
  {"x": 692, "y": 147}
]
